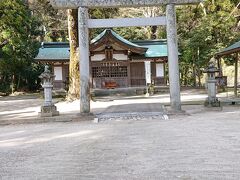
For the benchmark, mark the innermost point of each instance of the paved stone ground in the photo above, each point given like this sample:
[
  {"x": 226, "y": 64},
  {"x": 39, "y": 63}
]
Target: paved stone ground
[
  {"x": 18, "y": 109},
  {"x": 14, "y": 106},
  {"x": 202, "y": 145}
]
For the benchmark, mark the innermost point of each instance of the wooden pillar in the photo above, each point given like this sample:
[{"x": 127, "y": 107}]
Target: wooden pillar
[
  {"x": 129, "y": 73},
  {"x": 84, "y": 60},
  {"x": 173, "y": 67},
  {"x": 165, "y": 74},
  {"x": 236, "y": 76}
]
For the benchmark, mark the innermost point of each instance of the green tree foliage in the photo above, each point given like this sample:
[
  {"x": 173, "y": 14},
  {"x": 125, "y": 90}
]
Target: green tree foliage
[
  {"x": 18, "y": 31},
  {"x": 104, "y": 13},
  {"x": 53, "y": 21},
  {"x": 203, "y": 30},
  {"x": 142, "y": 33}
]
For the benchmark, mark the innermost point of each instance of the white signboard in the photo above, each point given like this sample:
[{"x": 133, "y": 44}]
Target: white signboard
[
  {"x": 122, "y": 57},
  {"x": 58, "y": 73},
  {"x": 148, "y": 71},
  {"x": 98, "y": 57},
  {"x": 159, "y": 70}
]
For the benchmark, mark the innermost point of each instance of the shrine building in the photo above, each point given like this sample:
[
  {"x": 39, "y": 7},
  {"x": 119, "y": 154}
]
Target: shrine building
[{"x": 115, "y": 61}]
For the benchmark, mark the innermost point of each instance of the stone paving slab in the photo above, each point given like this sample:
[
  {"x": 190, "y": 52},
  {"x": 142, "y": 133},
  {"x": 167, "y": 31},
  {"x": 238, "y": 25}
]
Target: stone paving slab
[{"x": 131, "y": 116}]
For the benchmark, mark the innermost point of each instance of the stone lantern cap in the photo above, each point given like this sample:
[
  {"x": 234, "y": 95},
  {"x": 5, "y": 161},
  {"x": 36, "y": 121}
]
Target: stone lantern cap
[
  {"x": 47, "y": 76},
  {"x": 211, "y": 67},
  {"x": 211, "y": 70}
]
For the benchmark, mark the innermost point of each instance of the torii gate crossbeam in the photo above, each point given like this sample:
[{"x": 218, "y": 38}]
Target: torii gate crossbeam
[{"x": 74, "y": 4}]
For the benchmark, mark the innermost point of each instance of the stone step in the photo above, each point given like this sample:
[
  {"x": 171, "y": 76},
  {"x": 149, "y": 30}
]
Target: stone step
[{"x": 131, "y": 116}]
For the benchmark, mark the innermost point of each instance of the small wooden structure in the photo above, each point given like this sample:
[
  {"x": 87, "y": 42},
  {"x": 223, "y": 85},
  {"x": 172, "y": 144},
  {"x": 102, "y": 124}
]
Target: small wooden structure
[
  {"x": 233, "y": 49},
  {"x": 115, "y": 61},
  {"x": 56, "y": 54}
]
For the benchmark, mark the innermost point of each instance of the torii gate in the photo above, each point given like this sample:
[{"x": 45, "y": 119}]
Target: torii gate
[{"x": 84, "y": 23}]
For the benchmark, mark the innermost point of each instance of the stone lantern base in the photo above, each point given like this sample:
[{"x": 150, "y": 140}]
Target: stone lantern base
[
  {"x": 212, "y": 103},
  {"x": 49, "y": 111}
]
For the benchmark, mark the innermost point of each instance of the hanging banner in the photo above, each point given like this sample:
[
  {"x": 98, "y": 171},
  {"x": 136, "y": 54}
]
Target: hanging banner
[{"x": 148, "y": 72}]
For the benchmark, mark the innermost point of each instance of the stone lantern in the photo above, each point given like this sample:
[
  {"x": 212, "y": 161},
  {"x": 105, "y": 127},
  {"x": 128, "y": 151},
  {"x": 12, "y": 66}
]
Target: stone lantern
[
  {"x": 212, "y": 100},
  {"x": 48, "y": 109}
]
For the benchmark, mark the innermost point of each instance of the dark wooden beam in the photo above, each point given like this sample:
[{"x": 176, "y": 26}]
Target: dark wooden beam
[{"x": 236, "y": 76}]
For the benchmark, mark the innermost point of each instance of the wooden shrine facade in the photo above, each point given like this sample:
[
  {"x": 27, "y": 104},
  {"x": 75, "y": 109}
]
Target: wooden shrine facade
[{"x": 114, "y": 61}]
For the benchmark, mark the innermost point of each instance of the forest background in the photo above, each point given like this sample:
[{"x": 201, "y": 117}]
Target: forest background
[{"x": 203, "y": 30}]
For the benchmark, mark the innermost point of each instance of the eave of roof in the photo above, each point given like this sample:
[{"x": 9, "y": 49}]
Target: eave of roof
[
  {"x": 55, "y": 45},
  {"x": 110, "y": 34},
  {"x": 55, "y": 53},
  {"x": 60, "y": 51},
  {"x": 229, "y": 50},
  {"x": 156, "y": 48}
]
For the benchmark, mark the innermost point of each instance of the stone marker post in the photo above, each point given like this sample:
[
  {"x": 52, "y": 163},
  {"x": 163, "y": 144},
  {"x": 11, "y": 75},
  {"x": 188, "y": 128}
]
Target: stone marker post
[
  {"x": 48, "y": 109},
  {"x": 212, "y": 100}
]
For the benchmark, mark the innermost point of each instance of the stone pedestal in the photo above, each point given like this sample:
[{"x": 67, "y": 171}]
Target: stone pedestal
[
  {"x": 212, "y": 100},
  {"x": 48, "y": 109},
  {"x": 47, "y": 94}
]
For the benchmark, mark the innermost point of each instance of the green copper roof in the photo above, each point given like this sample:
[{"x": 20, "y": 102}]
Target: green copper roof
[
  {"x": 101, "y": 35},
  {"x": 229, "y": 50},
  {"x": 124, "y": 40},
  {"x": 118, "y": 37},
  {"x": 98, "y": 37},
  {"x": 54, "y": 51},
  {"x": 59, "y": 51},
  {"x": 156, "y": 51},
  {"x": 156, "y": 48}
]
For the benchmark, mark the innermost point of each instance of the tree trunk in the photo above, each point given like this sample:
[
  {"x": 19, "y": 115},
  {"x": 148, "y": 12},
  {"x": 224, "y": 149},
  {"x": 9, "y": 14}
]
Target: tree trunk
[
  {"x": 194, "y": 74},
  {"x": 74, "y": 79},
  {"x": 219, "y": 63},
  {"x": 18, "y": 83},
  {"x": 13, "y": 83},
  {"x": 186, "y": 83},
  {"x": 198, "y": 68},
  {"x": 188, "y": 80},
  {"x": 153, "y": 32},
  {"x": 199, "y": 77}
]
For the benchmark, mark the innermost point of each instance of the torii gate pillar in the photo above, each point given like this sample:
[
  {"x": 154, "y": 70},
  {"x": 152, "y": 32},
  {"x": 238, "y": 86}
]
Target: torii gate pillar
[
  {"x": 83, "y": 34},
  {"x": 173, "y": 66}
]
